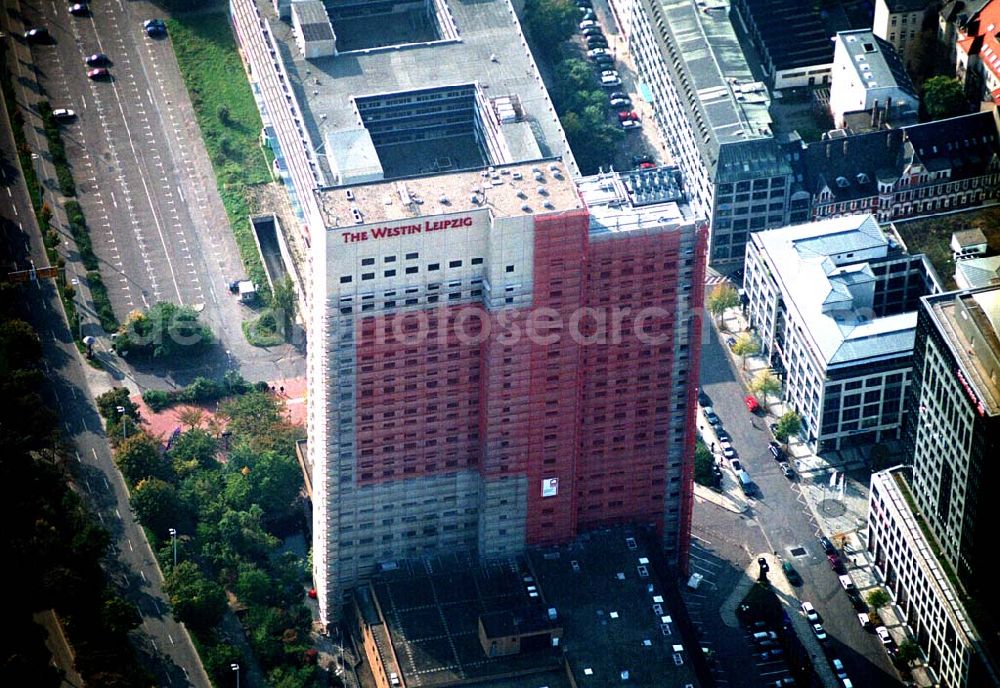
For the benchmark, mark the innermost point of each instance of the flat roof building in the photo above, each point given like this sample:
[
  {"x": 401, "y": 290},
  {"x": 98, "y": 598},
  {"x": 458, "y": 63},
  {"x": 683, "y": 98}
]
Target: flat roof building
[
  {"x": 695, "y": 75},
  {"x": 868, "y": 70},
  {"x": 833, "y": 303},
  {"x": 505, "y": 357}
]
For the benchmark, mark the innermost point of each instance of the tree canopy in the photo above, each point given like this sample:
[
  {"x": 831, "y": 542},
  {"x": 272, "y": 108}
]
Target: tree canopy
[
  {"x": 944, "y": 97},
  {"x": 722, "y": 298},
  {"x": 746, "y": 345},
  {"x": 789, "y": 424},
  {"x": 165, "y": 331},
  {"x": 551, "y": 23},
  {"x": 765, "y": 383}
]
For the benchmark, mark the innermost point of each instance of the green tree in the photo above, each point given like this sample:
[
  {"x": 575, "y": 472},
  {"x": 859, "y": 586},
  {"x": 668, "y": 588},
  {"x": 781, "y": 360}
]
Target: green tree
[
  {"x": 165, "y": 331},
  {"x": 878, "y": 598},
  {"x": 789, "y": 425},
  {"x": 765, "y": 383},
  {"x": 157, "y": 506},
  {"x": 746, "y": 345},
  {"x": 20, "y": 346},
  {"x": 138, "y": 458},
  {"x": 192, "y": 450},
  {"x": 908, "y": 651},
  {"x": 108, "y": 403},
  {"x": 119, "y": 615},
  {"x": 283, "y": 304},
  {"x": 196, "y": 600},
  {"x": 253, "y": 586},
  {"x": 722, "y": 298},
  {"x": 550, "y": 23},
  {"x": 944, "y": 97},
  {"x": 703, "y": 464}
]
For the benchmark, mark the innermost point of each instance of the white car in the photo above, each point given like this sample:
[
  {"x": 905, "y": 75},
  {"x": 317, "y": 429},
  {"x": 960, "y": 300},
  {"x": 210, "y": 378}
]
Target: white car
[
  {"x": 819, "y": 631},
  {"x": 810, "y": 612},
  {"x": 838, "y": 668},
  {"x": 631, "y": 125},
  {"x": 588, "y": 24},
  {"x": 63, "y": 114},
  {"x": 611, "y": 81},
  {"x": 864, "y": 620},
  {"x": 597, "y": 51},
  {"x": 727, "y": 450},
  {"x": 883, "y": 634},
  {"x": 846, "y": 582}
]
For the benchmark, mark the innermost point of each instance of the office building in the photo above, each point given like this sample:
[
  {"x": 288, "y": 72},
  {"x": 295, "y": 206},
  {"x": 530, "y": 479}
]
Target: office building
[
  {"x": 833, "y": 303},
  {"x": 899, "y": 21},
  {"x": 505, "y": 357},
  {"x": 977, "y": 53},
  {"x": 702, "y": 91},
  {"x": 930, "y": 524},
  {"x": 867, "y": 70}
]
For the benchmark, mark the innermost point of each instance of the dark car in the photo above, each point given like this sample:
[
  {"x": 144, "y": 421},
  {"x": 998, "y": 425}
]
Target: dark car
[
  {"x": 712, "y": 417},
  {"x": 155, "y": 27},
  {"x": 592, "y": 31},
  {"x": 703, "y": 398},
  {"x": 79, "y": 9},
  {"x": 827, "y": 546},
  {"x": 639, "y": 159},
  {"x": 99, "y": 73},
  {"x": 836, "y": 565},
  {"x": 621, "y": 103},
  {"x": 776, "y": 451},
  {"x": 97, "y": 60},
  {"x": 791, "y": 574},
  {"x": 37, "y": 35},
  {"x": 597, "y": 42},
  {"x": 722, "y": 435},
  {"x": 603, "y": 59}
]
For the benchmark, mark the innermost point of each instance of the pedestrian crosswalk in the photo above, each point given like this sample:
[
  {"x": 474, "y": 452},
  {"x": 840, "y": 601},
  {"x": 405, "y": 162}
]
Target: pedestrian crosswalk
[{"x": 713, "y": 279}]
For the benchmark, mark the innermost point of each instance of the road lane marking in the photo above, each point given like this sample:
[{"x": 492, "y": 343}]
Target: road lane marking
[
  {"x": 118, "y": 513},
  {"x": 130, "y": 547},
  {"x": 142, "y": 573},
  {"x": 171, "y": 638},
  {"x": 95, "y": 453},
  {"x": 78, "y": 459},
  {"x": 106, "y": 485}
]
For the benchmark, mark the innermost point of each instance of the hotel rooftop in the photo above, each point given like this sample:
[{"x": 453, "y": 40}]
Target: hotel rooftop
[{"x": 443, "y": 86}]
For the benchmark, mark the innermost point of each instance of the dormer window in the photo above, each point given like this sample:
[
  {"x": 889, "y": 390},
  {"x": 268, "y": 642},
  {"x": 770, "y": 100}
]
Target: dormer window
[
  {"x": 842, "y": 182},
  {"x": 862, "y": 178}
]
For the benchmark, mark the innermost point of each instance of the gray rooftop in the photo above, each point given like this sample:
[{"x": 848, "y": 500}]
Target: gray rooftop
[
  {"x": 489, "y": 50},
  {"x": 734, "y": 104},
  {"x": 884, "y": 66},
  {"x": 630, "y": 201},
  {"x": 821, "y": 268}
]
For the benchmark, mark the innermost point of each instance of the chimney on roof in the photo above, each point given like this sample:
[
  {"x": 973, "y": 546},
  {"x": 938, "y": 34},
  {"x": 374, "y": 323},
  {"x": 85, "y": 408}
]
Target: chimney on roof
[
  {"x": 845, "y": 145},
  {"x": 828, "y": 151},
  {"x": 875, "y": 113}
]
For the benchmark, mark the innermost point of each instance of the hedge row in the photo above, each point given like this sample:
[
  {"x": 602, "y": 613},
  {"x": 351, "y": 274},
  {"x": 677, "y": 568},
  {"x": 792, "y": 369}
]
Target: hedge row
[
  {"x": 57, "y": 150},
  {"x": 201, "y": 390}
]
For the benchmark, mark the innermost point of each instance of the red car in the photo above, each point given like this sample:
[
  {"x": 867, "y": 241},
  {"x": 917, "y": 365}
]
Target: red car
[
  {"x": 647, "y": 165},
  {"x": 751, "y": 403},
  {"x": 626, "y": 116},
  {"x": 99, "y": 73}
]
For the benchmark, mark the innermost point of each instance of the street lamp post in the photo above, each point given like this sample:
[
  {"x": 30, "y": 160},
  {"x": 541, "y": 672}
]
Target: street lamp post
[
  {"x": 173, "y": 537},
  {"x": 236, "y": 667},
  {"x": 121, "y": 410},
  {"x": 79, "y": 307}
]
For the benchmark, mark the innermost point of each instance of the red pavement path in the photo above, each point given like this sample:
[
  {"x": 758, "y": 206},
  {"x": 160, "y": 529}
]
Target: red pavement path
[{"x": 164, "y": 423}]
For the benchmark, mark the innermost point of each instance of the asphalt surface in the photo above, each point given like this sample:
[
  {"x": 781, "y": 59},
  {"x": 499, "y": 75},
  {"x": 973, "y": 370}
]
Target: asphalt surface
[
  {"x": 144, "y": 180},
  {"x": 778, "y": 521},
  {"x": 160, "y": 637}
]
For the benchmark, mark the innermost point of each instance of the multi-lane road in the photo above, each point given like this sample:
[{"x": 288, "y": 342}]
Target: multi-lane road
[
  {"x": 144, "y": 180},
  {"x": 777, "y": 521}
]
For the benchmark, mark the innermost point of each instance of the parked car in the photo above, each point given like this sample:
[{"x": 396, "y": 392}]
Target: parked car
[
  {"x": 589, "y": 24},
  {"x": 39, "y": 34},
  {"x": 98, "y": 73},
  {"x": 97, "y": 60},
  {"x": 596, "y": 41},
  {"x": 587, "y": 13},
  {"x": 597, "y": 51},
  {"x": 786, "y": 470},
  {"x": 592, "y": 31},
  {"x": 791, "y": 574},
  {"x": 819, "y": 631},
  {"x": 728, "y": 450},
  {"x": 773, "y": 653},
  {"x": 866, "y": 621},
  {"x": 761, "y": 636},
  {"x": 857, "y": 601},
  {"x": 810, "y": 612},
  {"x": 647, "y": 165},
  {"x": 883, "y": 635},
  {"x": 836, "y": 565},
  {"x": 620, "y": 94},
  {"x": 847, "y": 583},
  {"x": 712, "y": 418},
  {"x": 627, "y": 115},
  {"x": 737, "y": 466},
  {"x": 79, "y": 9},
  {"x": 838, "y": 668},
  {"x": 608, "y": 80},
  {"x": 631, "y": 125},
  {"x": 639, "y": 159},
  {"x": 703, "y": 398},
  {"x": 584, "y": 3},
  {"x": 827, "y": 546},
  {"x": 155, "y": 27},
  {"x": 776, "y": 451},
  {"x": 64, "y": 114},
  {"x": 721, "y": 433},
  {"x": 626, "y": 103},
  {"x": 750, "y": 401},
  {"x": 603, "y": 62}
]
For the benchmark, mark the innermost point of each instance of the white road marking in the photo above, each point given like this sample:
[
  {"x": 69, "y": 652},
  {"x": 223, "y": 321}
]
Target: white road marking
[
  {"x": 143, "y": 574},
  {"x": 118, "y": 513},
  {"x": 79, "y": 460},
  {"x": 130, "y": 547}
]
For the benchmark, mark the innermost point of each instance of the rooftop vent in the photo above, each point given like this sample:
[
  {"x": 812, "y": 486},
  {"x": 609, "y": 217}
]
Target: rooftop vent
[
  {"x": 869, "y": 47},
  {"x": 444, "y": 200},
  {"x": 350, "y": 195},
  {"x": 548, "y": 205},
  {"x": 521, "y": 194},
  {"x": 516, "y": 175},
  {"x": 554, "y": 167},
  {"x": 539, "y": 177},
  {"x": 542, "y": 191},
  {"x": 526, "y": 208},
  {"x": 358, "y": 217}
]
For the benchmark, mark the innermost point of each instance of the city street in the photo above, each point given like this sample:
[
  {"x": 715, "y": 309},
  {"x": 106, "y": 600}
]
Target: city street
[
  {"x": 67, "y": 392},
  {"x": 777, "y": 520},
  {"x": 143, "y": 177}
]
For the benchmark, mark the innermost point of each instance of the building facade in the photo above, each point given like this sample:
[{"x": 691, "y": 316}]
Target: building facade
[
  {"x": 905, "y": 172},
  {"x": 899, "y": 21},
  {"x": 506, "y": 357},
  {"x": 694, "y": 73},
  {"x": 833, "y": 303},
  {"x": 867, "y": 70},
  {"x": 977, "y": 53},
  {"x": 918, "y": 581}
]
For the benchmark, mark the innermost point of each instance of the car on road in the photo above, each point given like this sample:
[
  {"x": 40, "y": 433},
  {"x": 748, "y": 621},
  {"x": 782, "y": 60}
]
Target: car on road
[
  {"x": 728, "y": 450},
  {"x": 810, "y": 612},
  {"x": 819, "y": 631},
  {"x": 753, "y": 406},
  {"x": 79, "y": 9},
  {"x": 838, "y": 668},
  {"x": 791, "y": 574},
  {"x": 712, "y": 418},
  {"x": 776, "y": 451},
  {"x": 883, "y": 635},
  {"x": 589, "y": 24},
  {"x": 827, "y": 545},
  {"x": 786, "y": 470},
  {"x": 866, "y": 621},
  {"x": 98, "y": 73},
  {"x": 97, "y": 60},
  {"x": 38, "y": 34},
  {"x": 155, "y": 27},
  {"x": 64, "y": 114}
]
